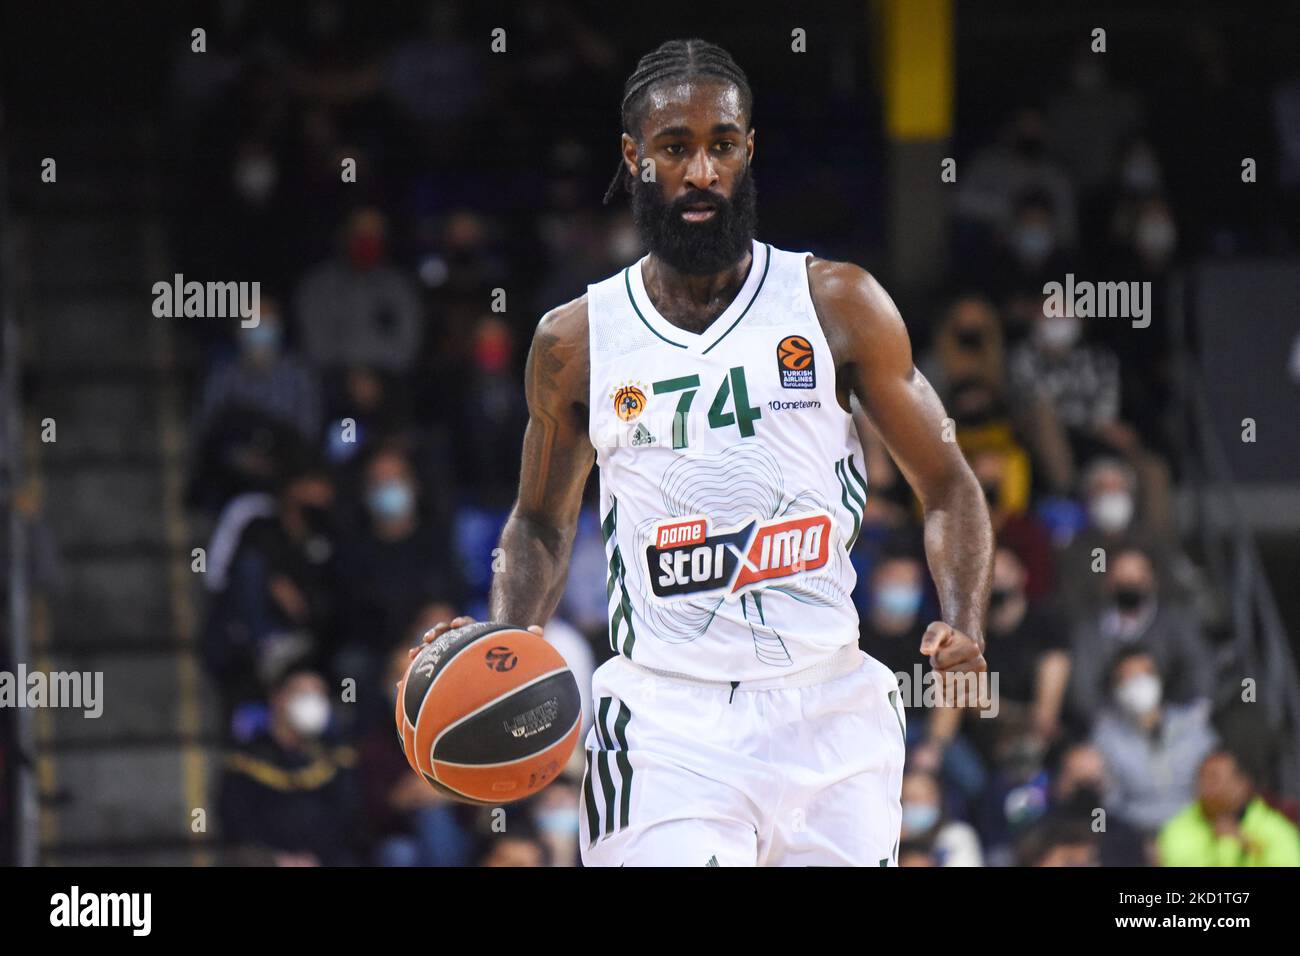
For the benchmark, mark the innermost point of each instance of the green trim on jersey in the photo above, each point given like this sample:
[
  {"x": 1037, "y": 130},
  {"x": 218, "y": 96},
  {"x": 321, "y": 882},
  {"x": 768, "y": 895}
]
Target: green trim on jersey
[
  {"x": 617, "y": 576},
  {"x": 861, "y": 482},
  {"x": 848, "y": 506},
  {"x": 627, "y": 282},
  {"x": 767, "y": 264}
]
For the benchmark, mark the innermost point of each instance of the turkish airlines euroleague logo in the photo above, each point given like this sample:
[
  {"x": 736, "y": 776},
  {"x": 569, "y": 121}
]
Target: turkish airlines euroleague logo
[
  {"x": 686, "y": 558},
  {"x": 794, "y": 362}
]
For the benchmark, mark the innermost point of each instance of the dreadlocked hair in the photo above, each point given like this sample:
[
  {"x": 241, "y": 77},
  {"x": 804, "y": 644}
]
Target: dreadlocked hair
[{"x": 676, "y": 60}]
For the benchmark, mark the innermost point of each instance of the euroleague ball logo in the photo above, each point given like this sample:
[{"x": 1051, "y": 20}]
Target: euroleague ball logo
[
  {"x": 500, "y": 658},
  {"x": 629, "y": 402},
  {"x": 794, "y": 362}
]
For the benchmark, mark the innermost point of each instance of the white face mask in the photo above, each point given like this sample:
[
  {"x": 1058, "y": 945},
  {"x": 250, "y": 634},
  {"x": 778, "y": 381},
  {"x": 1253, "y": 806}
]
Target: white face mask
[
  {"x": 308, "y": 714},
  {"x": 1058, "y": 331},
  {"x": 1139, "y": 695},
  {"x": 1111, "y": 511}
]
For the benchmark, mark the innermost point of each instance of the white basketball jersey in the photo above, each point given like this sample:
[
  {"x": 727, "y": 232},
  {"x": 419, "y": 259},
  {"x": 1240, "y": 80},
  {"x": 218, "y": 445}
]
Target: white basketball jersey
[{"x": 731, "y": 481}]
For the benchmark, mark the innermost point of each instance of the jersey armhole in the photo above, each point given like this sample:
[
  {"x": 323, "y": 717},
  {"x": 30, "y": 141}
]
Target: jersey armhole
[{"x": 815, "y": 321}]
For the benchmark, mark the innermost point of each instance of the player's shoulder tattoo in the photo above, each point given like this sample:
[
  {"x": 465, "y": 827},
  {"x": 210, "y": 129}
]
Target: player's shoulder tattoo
[{"x": 558, "y": 359}]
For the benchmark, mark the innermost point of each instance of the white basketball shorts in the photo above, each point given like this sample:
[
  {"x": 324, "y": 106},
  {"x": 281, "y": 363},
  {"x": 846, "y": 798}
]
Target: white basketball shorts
[{"x": 804, "y": 770}]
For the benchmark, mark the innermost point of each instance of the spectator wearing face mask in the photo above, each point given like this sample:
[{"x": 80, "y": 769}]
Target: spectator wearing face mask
[
  {"x": 288, "y": 798},
  {"x": 265, "y": 379},
  {"x": 1132, "y": 609},
  {"x": 273, "y": 576},
  {"x": 491, "y": 395},
  {"x": 1034, "y": 250},
  {"x": 994, "y": 184},
  {"x": 1152, "y": 747},
  {"x": 1109, "y": 491},
  {"x": 396, "y": 556},
  {"x": 356, "y": 308},
  {"x": 1081, "y": 381},
  {"x": 253, "y": 408},
  {"x": 1078, "y": 793},
  {"x": 890, "y": 631},
  {"x": 1148, "y": 254},
  {"x": 952, "y": 842},
  {"x": 554, "y": 813},
  {"x": 967, "y": 346},
  {"x": 1229, "y": 824}
]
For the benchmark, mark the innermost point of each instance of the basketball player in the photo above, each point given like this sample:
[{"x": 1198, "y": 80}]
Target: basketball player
[{"x": 738, "y": 723}]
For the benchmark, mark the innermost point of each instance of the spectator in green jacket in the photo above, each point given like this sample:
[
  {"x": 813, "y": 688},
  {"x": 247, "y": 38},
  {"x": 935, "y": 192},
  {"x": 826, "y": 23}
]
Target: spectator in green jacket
[{"x": 1229, "y": 824}]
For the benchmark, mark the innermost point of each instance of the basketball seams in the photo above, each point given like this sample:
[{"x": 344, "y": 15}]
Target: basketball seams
[
  {"x": 549, "y": 760},
  {"x": 495, "y": 700},
  {"x": 434, "y": 782},
  {"x": 438, "y": 676},
  {"x": 455, "y": 652},
  {"x": 529, "y": 756}
]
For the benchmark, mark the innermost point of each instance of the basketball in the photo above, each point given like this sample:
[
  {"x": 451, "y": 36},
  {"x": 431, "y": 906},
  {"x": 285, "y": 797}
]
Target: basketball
[{"x": 488, "y": 713}]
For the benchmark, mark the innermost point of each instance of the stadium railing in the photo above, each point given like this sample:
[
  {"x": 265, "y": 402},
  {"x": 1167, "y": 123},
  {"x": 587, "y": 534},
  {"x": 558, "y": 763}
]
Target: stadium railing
[{"x": 1232, "y": 555}]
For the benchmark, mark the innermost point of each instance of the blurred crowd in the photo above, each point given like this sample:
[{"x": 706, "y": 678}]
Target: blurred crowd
[{"x": 355, "y": 454}]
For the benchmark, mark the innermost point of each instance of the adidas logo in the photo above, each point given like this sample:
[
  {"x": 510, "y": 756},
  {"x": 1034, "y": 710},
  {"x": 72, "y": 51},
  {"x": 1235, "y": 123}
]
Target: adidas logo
[
  {"x": 641, "y": 436},
  {"x": 713, "y": 860}
]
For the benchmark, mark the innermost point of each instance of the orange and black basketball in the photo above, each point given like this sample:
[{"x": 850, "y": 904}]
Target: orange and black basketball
[
  {"x": 488, "y": 713},
  {"x": 794, "y": 352}
]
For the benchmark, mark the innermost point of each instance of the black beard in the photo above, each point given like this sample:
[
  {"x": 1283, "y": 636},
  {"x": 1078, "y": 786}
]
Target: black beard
[{"x": 697, "y": 248}]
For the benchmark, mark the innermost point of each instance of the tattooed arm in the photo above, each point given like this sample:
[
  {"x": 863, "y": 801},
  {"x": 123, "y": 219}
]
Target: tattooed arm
[
  {"x": 538, "y": 537},
  {"x": 873, "y": 359}
]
